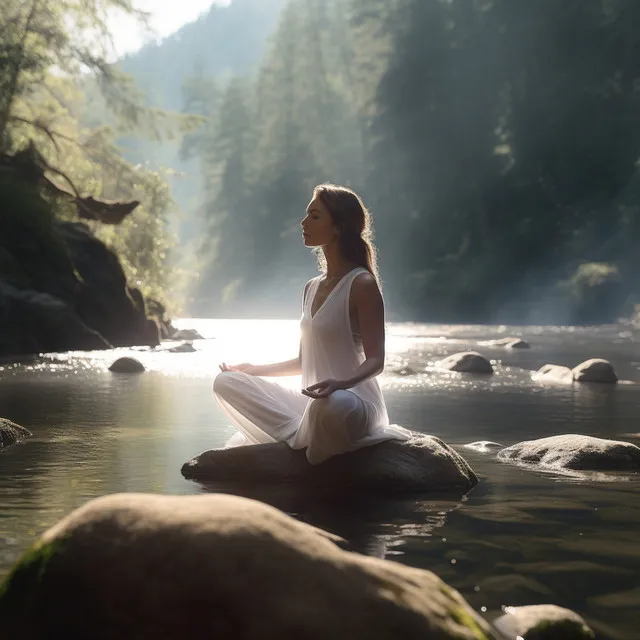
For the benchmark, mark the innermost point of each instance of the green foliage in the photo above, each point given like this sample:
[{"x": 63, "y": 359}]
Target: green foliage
[
  {"x": 269, "y": 142},
  {"x": 142, "y": 241},
  {"x": 494, "y": 154},
  {"x": 496, "y": 142},
  {"x": 48, "y": 52}
]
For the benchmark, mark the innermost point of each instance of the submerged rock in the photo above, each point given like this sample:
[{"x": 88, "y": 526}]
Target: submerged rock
[
  {"x": 186, "y": 334},
  {"x": 402, "y": 371},
  {"x": 594, "y": 370},
  {"x": 543, "y": 622},
  {"x": 509, "y": 343},
  {"x": 217, "y": 566},
  {"x": 127, "y": 365},
  {"x": 185, "y": 347},
  {"x": 465, "y": 362},
  {"x": 484, "y": 446},
  {"x": 10, "y": 433},
  {"x": 553, "y": 373},
  {"x": 424, "y": 463},
  {"x": 575, "y": 452}
]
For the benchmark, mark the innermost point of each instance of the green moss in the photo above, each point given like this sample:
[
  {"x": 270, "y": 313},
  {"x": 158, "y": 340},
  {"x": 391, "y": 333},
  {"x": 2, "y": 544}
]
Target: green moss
[
  {"x": 27, "y": 572},
  {"x": 561, "y": 629},
  {"x": 464, "y": 618}
]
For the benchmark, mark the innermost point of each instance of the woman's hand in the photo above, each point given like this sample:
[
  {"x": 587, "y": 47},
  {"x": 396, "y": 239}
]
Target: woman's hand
[
  {"x": 245, "y": 367},
  {"x": 323, "y": 388}
]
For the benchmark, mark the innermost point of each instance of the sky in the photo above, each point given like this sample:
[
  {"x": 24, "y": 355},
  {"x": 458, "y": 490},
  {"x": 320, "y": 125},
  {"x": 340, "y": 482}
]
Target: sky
[{"x": 167, "y": 16}]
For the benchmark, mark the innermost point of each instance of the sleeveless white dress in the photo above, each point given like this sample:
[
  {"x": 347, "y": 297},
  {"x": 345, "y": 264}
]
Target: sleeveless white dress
[{"x": 265, "y": 411}]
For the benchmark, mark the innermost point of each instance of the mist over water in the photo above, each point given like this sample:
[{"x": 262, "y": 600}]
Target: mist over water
[{"x": 520, "y": 537}]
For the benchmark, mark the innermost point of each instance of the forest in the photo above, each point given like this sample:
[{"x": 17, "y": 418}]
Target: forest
[{"x": 496, "y": 143}]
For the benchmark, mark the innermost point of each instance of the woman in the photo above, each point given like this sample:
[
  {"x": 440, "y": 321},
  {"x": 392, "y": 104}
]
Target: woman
[{"x": 342, "y": 348}]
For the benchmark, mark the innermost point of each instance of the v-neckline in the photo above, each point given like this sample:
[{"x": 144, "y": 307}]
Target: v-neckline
[{"x": 324, "y": 302}]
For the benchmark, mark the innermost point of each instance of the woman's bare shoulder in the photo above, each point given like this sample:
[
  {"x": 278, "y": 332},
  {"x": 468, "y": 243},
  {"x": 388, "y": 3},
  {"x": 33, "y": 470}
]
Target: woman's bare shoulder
[
  {"x": 365, "y": 286},
  {"x": 365, "y": 282}
]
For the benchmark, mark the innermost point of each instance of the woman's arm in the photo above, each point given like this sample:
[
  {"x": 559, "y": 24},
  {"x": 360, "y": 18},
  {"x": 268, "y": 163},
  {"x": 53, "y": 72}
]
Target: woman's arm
[
  {"x": 369, "y": 308},
  {"x": 286, "y": 368}
]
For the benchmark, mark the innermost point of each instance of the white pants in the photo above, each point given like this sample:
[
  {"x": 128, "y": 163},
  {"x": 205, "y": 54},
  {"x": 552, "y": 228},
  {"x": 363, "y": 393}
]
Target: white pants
[{"x": 265, "y": 411}]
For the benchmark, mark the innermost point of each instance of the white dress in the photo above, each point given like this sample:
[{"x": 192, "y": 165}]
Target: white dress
[{"x": 265, "y": 411}]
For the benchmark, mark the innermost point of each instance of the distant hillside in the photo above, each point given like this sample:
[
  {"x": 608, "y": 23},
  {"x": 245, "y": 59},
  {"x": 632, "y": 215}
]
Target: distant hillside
[{"x": 225, "y": 41}]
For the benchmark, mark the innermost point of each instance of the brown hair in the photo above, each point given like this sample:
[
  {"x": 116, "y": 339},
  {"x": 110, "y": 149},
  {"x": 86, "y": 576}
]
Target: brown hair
[{"x": 353, "y": 221}]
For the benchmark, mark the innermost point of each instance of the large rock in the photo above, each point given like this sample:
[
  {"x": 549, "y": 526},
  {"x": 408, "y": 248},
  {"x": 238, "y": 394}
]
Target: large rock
[
  {"x": 465, "y": 362},
  {"x": 543, "y": 622},
  {"x": 217, "y": 566},
  {"x": 10, "y": 433},
  {"x": 575, "y": 452},
  {"x": 35, "y": 322},
  {"x": 424, "y": 463},
  {"x": 594, "y": 370},
  {"x": 60, "y": 287},
  {"x": 104, "y": 301},
  {"x": 126, "y": 365}
]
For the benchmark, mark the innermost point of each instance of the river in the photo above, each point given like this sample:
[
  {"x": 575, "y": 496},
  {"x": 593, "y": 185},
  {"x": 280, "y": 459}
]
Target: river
[{"x": 520, "y": 537}]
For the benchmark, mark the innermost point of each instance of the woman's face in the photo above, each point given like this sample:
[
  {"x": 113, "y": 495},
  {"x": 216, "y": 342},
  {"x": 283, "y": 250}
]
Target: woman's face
[{"x": 318, "y": 229}]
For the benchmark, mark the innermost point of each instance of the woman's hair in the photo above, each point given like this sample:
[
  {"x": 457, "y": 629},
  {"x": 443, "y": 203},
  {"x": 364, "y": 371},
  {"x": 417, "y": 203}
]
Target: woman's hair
[{"x": 353, "y": 221}]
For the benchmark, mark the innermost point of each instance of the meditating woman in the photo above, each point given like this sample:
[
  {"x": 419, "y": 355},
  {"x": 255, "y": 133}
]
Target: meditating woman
[{"x": 342, "y": 348}]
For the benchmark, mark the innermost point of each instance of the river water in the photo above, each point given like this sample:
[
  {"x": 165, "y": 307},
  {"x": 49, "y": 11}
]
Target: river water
[{"x": 520, "y": 537}]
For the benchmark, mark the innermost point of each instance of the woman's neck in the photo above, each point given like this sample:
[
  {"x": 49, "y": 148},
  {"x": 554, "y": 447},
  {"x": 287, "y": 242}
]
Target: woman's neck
[{"x": 337, "y": 266}]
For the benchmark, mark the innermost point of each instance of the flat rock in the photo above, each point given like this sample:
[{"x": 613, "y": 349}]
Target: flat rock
[
  {"x": 127, "y": 365},
  {"x": 217, "y": 566},
  {"x": 465, "y": 362},
  {"x": 508, "y": 343},
  {"x": 423, "y": 463},
  {"x": 575, "y": 452},
  {"x": 10, "y": 433},
  {"x": 543, "y": 622},
  {"x": 185, "y": 347}
]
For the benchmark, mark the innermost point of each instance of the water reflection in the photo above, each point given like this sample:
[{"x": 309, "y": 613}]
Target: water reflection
[{"x": 369, "y": 524}]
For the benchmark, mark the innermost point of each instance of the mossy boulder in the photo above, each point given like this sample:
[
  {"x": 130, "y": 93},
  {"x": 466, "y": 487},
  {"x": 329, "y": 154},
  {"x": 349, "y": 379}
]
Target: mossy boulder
[{"x": 218, "y": 566}]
